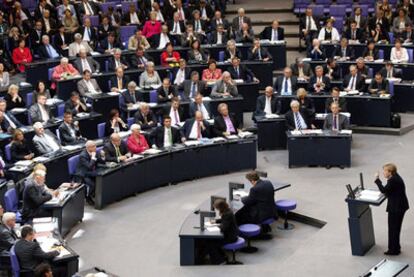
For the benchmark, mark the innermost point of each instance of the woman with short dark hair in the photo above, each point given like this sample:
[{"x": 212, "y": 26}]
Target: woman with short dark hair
[{"x": 115, "y": 124}]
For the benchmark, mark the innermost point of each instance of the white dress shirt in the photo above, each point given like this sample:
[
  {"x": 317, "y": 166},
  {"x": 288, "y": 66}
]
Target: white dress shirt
[
  {"x": 86, "y": 36},
  {"x": 134, "y": 18},
  {"x": 163, "y": 41},
  {"x": 179, "y": 77},
  {"x": 268, "y": 105},
  {"x": 204, "y": 111},
  {"x": 312, "y": 23},
  {"x": 11, "y": 123},
  {"x": 194, "y": 131},
  {"x": 51, "y": 142},
  {"x": 90, "y": 87},
  {"x": 352, "y": 83},
  {"x": 85, "y": 65},
  {"x": 175, "y": 117},
  {"x": 167, "y": 139},
  {"x": 399, "y": 56},
  {"x": 45, "y": 115}
]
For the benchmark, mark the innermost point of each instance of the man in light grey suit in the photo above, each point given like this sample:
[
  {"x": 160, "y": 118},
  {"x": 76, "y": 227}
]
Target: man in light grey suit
[
  {"x": 224, "y": 87},
  {"x": 86, "y": 63},
  {"x": 77, "y": 45},
  {"x": 335, "y": 121},
  {"x": 301, "y": 69},
  {"x": 88, "y": 85},
  {"x": 40, "y": 112},
  {"x": 44, "y": 141},
  {"x": 194, "y": 86}
]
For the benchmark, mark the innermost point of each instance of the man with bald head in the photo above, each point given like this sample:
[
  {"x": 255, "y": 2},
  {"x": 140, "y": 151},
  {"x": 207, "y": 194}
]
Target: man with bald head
[
  {"x": 196, "y": 128},
  {"x": 116, "y": 150},
  {"x": 335, "y": 121},
  {"x": 268, "y": 103},
  {"x": 286, "y": 84},
  {"x": 273, "y": 32}
]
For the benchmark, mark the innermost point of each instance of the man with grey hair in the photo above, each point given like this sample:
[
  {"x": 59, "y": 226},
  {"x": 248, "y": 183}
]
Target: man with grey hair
[
  {"x": 295, "y": 118},
  {"x": 354, "y": 80},
  {"x": 116, "y": 150},
  {"x": 225, "y": 87},
  {"x": 89, "y": 160},
  {"x": 225, "y": 123},
  {"x": 8, "y": 236},
  {"x": 240, "y": 19},
  {"x": 44, "y": 141},
  {"x": 130, "y": 97},
  {"x": 117, "y": 60},
  {"x": 88, "y": 84},
  {"x": 76, "y": 46},
  {"x": 46, "y": 50},
  {"x": 145, "y": 117},
  {"x": 286, "y": 84},
  {"x": 319, "y": 83},
  {"x": 83, "y": 62}
]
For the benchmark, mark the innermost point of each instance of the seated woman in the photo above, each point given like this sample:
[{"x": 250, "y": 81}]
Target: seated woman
[
  {"x": 399, "y": 23},
  {"x": 22, "y": 56},
  {"x": 151, "y": 26},
  {"x": 40, "y": 89},
  {"x": 329, "y": 33},
  {"x": 196, "y": 54},
  {"x": 13, "y": 98},
  {"x": 70, "y": 22},
  {"x": 14, "y": 38},
  {"x": 380, "y": 35},
  {"x": 20, "y": 150},
  {"x": 212, "y": 73},
  {"x": 136, "y": 141},
  {"x": 170, "y": 57},
  {"x": 370, "y": 53},
  {"x": 399, "y": 54},
  {"x": 149, "y": 77},
  {"x": 232, "y": 51},
  {"x": 4, "y": 77},
  {"x": 115, "y": 124}
]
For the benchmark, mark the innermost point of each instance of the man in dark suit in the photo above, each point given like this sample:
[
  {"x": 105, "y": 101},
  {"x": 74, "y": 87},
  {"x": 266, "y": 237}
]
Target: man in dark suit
[
  {"x": 196, "y": 128},
  {"x": 380, "y": 19},
  {"x": 166, "y": 135},
  {"x": 41, "y": 7},
  {"x": 273, "y": 33},
  {"x": 297, "y": 119},
  {"x": 10, "y": 120},
  {"x": 49, "y": 22},
  {"x": 117, "y": 60},
  {"x": 194, "y": 86},
  {"x": 309, "y": 26},
  {"x": 199, "y": 105},
  {"x": 8, "y": 236},
  {"x": 379, "y": 85},
  {"x": 140, "y": 59},
  {"x": 315, "y": 51},
  {"x": 225, "y": 124},
  {"x": 332, "y": 70},
  {"x": 240, "y": 19},
  {"x": 69, "y": 131},
  {"x": 286, "y": 84},
  {"x": 259, "y": 53},
  {"x": 61, "y": 40},
  {"x": 200, "y": 25},
  {"x": 335, "y": 98},
  {"x": 109, "y": 44},
  {"x": 360, "y": 20},
  {"x": 408, "y": 35},
  {"x": 174, "y": 111},
  {"x": 159, "y": 41},
  {"x": 105, "y": 28},
  {"x": 218, "y": 36},
  {"x": 390, "y": 72},
  {"x": 83, "y": 62},
  {"x": 239, "y": 71},
  {"x": 396, "y": 207},
  {"x": 343, "y": 51},
  {"x": 301, "y": 70},
  {"x": 119, "y": 81},
  {"x": 130, "y": 97},
  {"x": 116, "y": 150},
  {"x": 354, "y": 33},
  {"x": 334, "y": 120},
  {"x": 75, "y": 104},
  {"x": 166, "y": 91},
  {"x": 319, "y": 83},
  {"x": 89, "y": 159},
  {"x": 87, "y": 7},
  {"x": 46, "y": 50},
  {"x": 267, "y": 103},
  {"x": 145, "y": 117},
  {"x": 176, "y": 27},
  {"x": 88, "y": 32},
  {"x": 36, "y": 35},
  {"x": 354, "y": 81},
  {"x": 217, "y": 20},
  {"x": 183, "y": 73},
  {"x": 259, "y": 205}
]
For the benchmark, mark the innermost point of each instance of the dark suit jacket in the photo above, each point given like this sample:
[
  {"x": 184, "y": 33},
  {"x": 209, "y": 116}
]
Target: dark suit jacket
[
  {"x": 157, "y": 136},
  {"x": 238, "y": 54},
  {"x": 396, "y": 72},
  {"x": 126, "y": 18},
  {"x": 188, "y": 125},
  {"x": 7, "y": 239},
  {"x": 341, "y": 101},
  {"x": 33, "y": 197},
  {"x": 70, "y": 107},
  {"x": 213, "y": 38},
  {"x": 42, "y": 52},
  {"x": 336, "y": 74},
  {"x": 94, "y": 65},
  {"x": 186, "y": 87},
  {"x": 58, "y": 42},
  {"x": 103, "y": 33},
  {"x": 405, "y": 36},
  {"x": 135, "y": 61},
  {"x": 127, "y": 99},
  {"x": 220, "y": 125},
  {"x": 162, "y": 96},
  {"x": 110, "y": 152},
  {"x": 194, "y": 107},
  {"x": 360, "y": 35},
  {"x": 125, "y": 81},
  {"x": 225, "y": 23},
  {"x": 360, "y": 82},
  {"x": 383, "y": 86},
  {"x": 349, "y": 52},
  {"x": 13, "y": 119},
  {"x": 395, "y": 191},
  {"x": 261, "y": 104},
  {"x": 268, "y": 31},
  {"x": 30, "y": 254},
  {"x": 155, "y": 40},
  {"x": 343, "y": 122},
  {"x": 139, "y": 119},
  {"x": 261, "y": 201},
  {"x": 244, "y": 73},
  {"x": 66, "y": 137},
  {"x": 109, "y": 130},
  {"x": 325, "y": 80},
  {"x": 375, "y": 53},
  {"x": 170, "y": 25},
  {"x": 302, "y": 22},
  {"x": 166, "y": 111},
  {"x": 19, "y": 150},
  {"x": 263, "y": 51},
  {"x": 279, "y": 84},
  {"x": 307, "y": 70},
  {"x": 35, "y": 39},
  {"x": 93, "y": 36},
  {"x": 103, "y": 45},
  {"x": 373, "y": 22},
  {"x": 316, "y": 56},
  {"x": 81, "y": 8},
  {"x": 87, "y": 166},
  {"x": 290, "y": 119},
  {"x": 228, "y": 226}
]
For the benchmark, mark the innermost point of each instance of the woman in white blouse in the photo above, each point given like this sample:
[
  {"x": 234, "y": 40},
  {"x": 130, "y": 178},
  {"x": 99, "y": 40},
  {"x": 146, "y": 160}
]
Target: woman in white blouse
[
  {"x": 329, "y": 33},
  {"x": 149, "y": 77},
  {"x": 398, "y": 53},
  {"x": 4, "y": 77}
]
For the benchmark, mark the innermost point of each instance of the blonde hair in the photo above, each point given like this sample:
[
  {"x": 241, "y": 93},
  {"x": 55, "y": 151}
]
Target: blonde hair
[
  {"x": 392, "y": 168},
  {"x": 11, "y": 87}
]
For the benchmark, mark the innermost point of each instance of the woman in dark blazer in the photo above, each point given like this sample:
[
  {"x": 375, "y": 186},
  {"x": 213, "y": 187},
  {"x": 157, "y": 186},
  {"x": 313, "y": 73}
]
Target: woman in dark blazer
[
  {"x": 115, "y": 124},
  {"x": 13, "y": 98},
  {"x": 396, "y": 207},
  {"x": 20, "y": 150},
  {"x": 196, "y": 54}
]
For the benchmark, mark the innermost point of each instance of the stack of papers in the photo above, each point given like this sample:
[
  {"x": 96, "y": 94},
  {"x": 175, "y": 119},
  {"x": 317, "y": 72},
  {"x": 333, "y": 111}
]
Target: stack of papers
[
  {"x": 240, "y": 193},
  {"x": 370, "y": 195},
  {"x": 124, "y": 134},
  {"x": 192, "y": 143},
  {"x": 114, "y": 93},
  {"x": 19, "y": 168},
  {"x": 346, "y": 132},
  {"x": 206, "y": 98},
  {"x": 379, "y": 61},
  {"x": 133, "y": 107},
  {"x": 53, "y": 101},
  {"x": 273, "y": 115},
  {"x": 40, "y": 159},
  {"x": 71, "y": 147},
  {"x": 82, "y": 114},
  {"x": 395, "y": 80},
  {"x": 232, "y": 137},
  {"x": 245, "y": 134},
  {"x": 152, "y": 151},
  {"x": 238, "y": 81},
  {"x": 210, "y": 121},
  {"x": 218, "y": 139},
  {"x": 18, "y": 110}
]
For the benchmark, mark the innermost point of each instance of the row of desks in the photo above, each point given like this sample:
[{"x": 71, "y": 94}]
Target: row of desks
[{"x": 38, "y": 70}]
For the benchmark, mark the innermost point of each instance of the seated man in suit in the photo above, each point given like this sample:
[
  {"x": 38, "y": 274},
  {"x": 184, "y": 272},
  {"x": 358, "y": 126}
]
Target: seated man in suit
[
  {"x": 166, "y": 91},
  {"x": 83, "y": 62},
  {"x": 166, "y": 135},
  {"x": 130, "y": 97},
  {"x": 10, "y": 120},
  {"x": 241, "y": 72},
  {"x": 259, "y": 205},
  {"x": 335, "y": 98},
  {"x": 69, "y": 130},
  {"x": 319, "y": 83},
  {"x": 219, "y": 36},
  {"x": 408, "y": 35},
  {"x": 245, "y": 34},
  {"x": 354, "y": 81},
  {"x": 145, "y": 117},
  {"x": 301, "y": 70},
  {"x": 354, "y": 34},
  {"x": 378, "y": 85},
  {"x": 199, "y": 105},
  {"x": 140, "y": 59},
  {"x": 343, "y": 52},
  {"x": 225, "y": 124},
  {"x": 29, "y": 252},
  {"x": 109, "y": 44},
  {"x": 295, "y": 118},
  {"x": 194, "y": 86},
  {"x": 182, "y": 74},
  {"x": 175, "y": 112},
  {"x": 273, "y": 33},
  {"x": 34, "y": 195},
  {"x": 88, "y": 84},
  {"x": 196, "y": 128},
  {"x": 267, "y": 103},
  {"x": 390, "y": 72},
  {"x": 76, "y": 104},
  {"x": 334, "y": 120},
  {"x": 46, "y": 50},
  {"x": 44, "y": 141},
  {"x": 316, "y": 52},
  {"x": 259, "y": 53},
  {"x": 332, "y": 70},
  {"x": 119, "y": 81},
  {"x": 286, "y": 84},
  {"x": 117, "y": 60},
  {"x": 116, "y": 150},
  {"x": 225, "y": 87},
  {"x": 40, "y": 112},
  {"x": 8, "y": 236},
  {"x": 159, "y": 41},
  {"x": 362, "y": 68},
  {"x": 89, "y": 159},
  {"x": 78, "y": 44}
]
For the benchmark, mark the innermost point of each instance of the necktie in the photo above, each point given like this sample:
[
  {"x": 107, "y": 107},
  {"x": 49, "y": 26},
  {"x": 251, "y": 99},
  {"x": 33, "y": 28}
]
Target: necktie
[
  {"x": 275, "y": 35},
  {"x": 134, "y": 100},
  {"x": 352, "y": 83},
  {"x": 198, "y": 130},
  {"x": 176, "y": 117},
  {"x": 389, "y": 75},
  {"x": 259, "y": 54},
  {"x": 240, "y": 22},
  {"x": 88, "y": 7},
  {"x": 335, "y": 124},
  {"x": 117, "y": 153},
  {"x": 193, "y": 89},
  {"x": 170, "y": 136},
  {"x": 309, "y": 24},
  {"x": 298, "y": 123},
  {"x": 238, "y": 72},
  {"x": 353, "y": 35},
  {"x": 119, "y": 83},
  {"x": 286, "y": 86},
  {"x": 175, "y": 28}
]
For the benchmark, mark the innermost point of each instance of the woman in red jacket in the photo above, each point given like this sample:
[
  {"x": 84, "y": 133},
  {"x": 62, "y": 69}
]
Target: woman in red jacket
[
  {"x": 170, "y": 57},
  {"x": 136, "y": 142},
  {"x": 152, "y": 26},
  {"x": 22, "y": 56},
  {"x": 212, "y": 73}
]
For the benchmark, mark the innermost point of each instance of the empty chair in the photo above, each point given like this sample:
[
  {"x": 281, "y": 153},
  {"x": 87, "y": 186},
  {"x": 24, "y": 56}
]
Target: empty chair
[
  {"x": 153, "y": 98},
  {"x": 29, "y": 99},
  {"x": 410, "y": 55},
  {"x": 73, "y": 164},
  {"x": 101, "y": 130},
  {"x": 130, "y": 121},
  {"x": 381, "y": 54},
  {"x": 106, "y": 5},
  {"x": 391, "y": 87},
  {"x": 221, "y": 56},
  {"x": 233, "y": 247},
  {"x": 94, "y": 20},
  {"x": 391, "y": 35},
  {"x": 370, "y": 72},
  {"x": 125, "y": 6},
  {"x": 285, "y": 206},
  {"x": 338, "y": 24},
  {"x": 364, "y": 9},
  {"x": 126, "y": 32},
  {"x": 337, "y": 10},
  {"x": 60, "y": 109},
  {"x": 7, "y": 150},
  {"x": 318, "y": 10},
  {"x": 11, "y": 202}
]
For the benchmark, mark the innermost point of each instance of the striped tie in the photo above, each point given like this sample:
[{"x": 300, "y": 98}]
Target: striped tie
[{"x": 298, "y": 123}]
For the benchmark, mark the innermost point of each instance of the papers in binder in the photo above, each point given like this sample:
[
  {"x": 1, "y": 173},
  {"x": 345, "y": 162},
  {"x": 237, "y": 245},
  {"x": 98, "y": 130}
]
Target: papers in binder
[
  {"x": 152, "y": 151},
  {"x": 353, "y": 92},
  {"x": 24, "y": 84},
  {"x": 218, "y": 139},
  {"x": 53, "y": 101},
  {"x": 296, "y": 133},
  {"x": 19, "y": 168},
  {"x": 232, "y": 137},
  {"x": 213, "y": 229},
  {"x": 239, "y": 81},
  {"x": 370, "y": 195},
  {"x": 94, "y": 53},
  {"x": 206, "y": 98},
  {"x": 114, "y": 93},
  {"x": 181, "y": 124},
  {"x": 71, "y": 147},
  {"x": 124, "y": 134},
  {"x": 240, "y": 193},
  {"x": 152, "y": 105},
  {"x": 82, "y": 114},
  {"x": 133, "y": 107},
  {"x": 210, "y": 121},
  {"x": 379, "y": 61},
  {"x": 18, "y": 110},
  {"x": 272, "y": 115}
]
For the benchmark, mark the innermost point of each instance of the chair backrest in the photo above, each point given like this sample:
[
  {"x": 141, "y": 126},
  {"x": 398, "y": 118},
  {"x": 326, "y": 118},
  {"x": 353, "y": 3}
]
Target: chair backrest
[
  {"x": 50, "y": 73},
  {"x": 153, "y": 96},
  {"x": 94, "y": 19},
  {"x": 73, "y": 164},
  {"x": 60, "y": 109},
  {"x": 370, "y": 72},
  {"x": 381, "y": 54},
  {"x": 391, "y": 87},
  {"x": 338, "y": 24},
  {"x": 364, "y": 9},
  {"x": 125, "y": 5},
  {"x": 10, "y": 200},
  {"x": 14, "y": 261},
  {"x": 101, "y": 130},
  {"x": 323, "y": 2},
  {"x": 318, "y": 10},
  {"x": 391, "y": 35},
  {"x": 130, "y": 121},
  {"x": 221, "y": 56},
  {"x": 7, "y": 150},
  {"x": 29, "y": 99},
  {"x": 337, "y": 10},
  {"x": 106, "y": 66},
  {"x": 106, "y": 5},
  {"x": 126, "y": 32},
  {"x": 410, "y": 55}
]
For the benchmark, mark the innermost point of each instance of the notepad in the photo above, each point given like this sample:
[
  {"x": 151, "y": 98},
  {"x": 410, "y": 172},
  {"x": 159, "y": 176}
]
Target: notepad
[
  {"x": 273, "y": 115},
  {"x": 245, "y": 134},
  {"x": 370, "y": 195},
  {"x": 213, "y": 229},
  {"x": 40, "y": 159}
]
